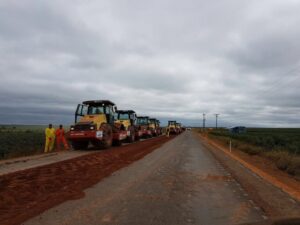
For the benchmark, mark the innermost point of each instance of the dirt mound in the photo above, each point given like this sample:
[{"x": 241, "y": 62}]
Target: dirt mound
[{"x": 29, "y": 192}]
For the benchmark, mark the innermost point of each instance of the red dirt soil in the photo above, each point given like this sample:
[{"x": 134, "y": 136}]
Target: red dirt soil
[{"x": 28, "y": 193}]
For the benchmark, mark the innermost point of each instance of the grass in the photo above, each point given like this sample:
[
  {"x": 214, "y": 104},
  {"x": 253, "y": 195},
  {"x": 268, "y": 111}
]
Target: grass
[
  {"x": 21, "y": 140},
  {"x": 269, "y": 138},
  {"x": 281, "y": 145}
]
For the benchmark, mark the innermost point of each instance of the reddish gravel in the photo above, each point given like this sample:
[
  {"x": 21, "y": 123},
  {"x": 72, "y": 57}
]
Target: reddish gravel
[{"x": 27, "y": 193}]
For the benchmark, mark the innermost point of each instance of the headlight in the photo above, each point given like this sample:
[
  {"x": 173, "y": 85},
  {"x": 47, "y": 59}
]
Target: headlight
[
  {"x": 92, "y": 128},
  {"x": 72, "y": 128}
]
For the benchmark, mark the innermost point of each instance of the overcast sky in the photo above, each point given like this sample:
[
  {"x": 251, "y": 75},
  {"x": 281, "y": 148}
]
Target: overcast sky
[{"x": 166, "y": 59}]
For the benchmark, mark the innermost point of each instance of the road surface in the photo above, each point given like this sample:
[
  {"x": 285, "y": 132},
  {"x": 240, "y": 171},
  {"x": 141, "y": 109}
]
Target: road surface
[{"x": 178, "y": 183}]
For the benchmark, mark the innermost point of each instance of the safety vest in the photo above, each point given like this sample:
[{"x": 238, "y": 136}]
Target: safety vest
[
  {"x": 50, "y": 132},
  {"x": 60, "y": 133}
]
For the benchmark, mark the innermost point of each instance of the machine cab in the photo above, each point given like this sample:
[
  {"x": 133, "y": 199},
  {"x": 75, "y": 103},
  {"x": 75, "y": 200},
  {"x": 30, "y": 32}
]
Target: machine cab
[
  {"x": 96, "y": 110},
  {"x": 171, "y": 123},
  {"x": 143, "y": 120},
  {"x": 152, "y": 122},
  {"x": 126, "y": 115},
  {"x": 157, "y": 123}
]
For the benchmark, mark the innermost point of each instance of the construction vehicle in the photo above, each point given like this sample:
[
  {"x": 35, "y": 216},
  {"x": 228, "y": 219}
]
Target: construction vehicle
[
  {"x": 143, "y": 123},
  {"x": 153, "y": 126},
  {"x": 178, "y": 128},
  {"x": 172, "y": 127},
  {"x": 94, "y": 124},
  {"x": 127, "y": 119},
  {"x": 158, "y": 128}
]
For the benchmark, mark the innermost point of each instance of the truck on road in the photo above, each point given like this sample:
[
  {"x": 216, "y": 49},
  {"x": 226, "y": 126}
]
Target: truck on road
[
  {"x": 128, "y": 121},
  {"x": 95, "y": 124},
  {"x": 172, "y": 127},
  {"x": 143, "y": 123}
]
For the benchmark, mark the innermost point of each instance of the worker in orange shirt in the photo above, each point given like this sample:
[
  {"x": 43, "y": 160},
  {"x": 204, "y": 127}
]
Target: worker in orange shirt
[
  {"x": 60, "y": 138},
  {"x": 50, "y": 138}
]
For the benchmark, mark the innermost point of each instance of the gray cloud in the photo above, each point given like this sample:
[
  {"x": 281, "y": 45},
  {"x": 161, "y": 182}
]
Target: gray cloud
[{"x": 166, "y": 59}]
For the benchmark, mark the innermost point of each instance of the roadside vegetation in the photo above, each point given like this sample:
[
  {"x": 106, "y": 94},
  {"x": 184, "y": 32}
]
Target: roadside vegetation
[
  {"x": 282, "y": 145},
  {"x": 21, "y": 140}
]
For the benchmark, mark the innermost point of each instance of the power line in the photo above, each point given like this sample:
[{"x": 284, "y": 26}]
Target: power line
[
  {"x": 282, "y": 78},
  {"x": 282, "y": 81}
]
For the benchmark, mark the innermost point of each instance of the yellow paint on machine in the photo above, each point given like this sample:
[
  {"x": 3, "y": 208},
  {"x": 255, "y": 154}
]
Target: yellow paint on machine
[
  {"x": 152, "y": 125},
  {"x": 96, "y": 119},
  {"x": 126, "y": 123}
]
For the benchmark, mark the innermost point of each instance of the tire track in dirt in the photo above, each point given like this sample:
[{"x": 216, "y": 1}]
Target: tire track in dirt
[{"x": 25, "y": 194}]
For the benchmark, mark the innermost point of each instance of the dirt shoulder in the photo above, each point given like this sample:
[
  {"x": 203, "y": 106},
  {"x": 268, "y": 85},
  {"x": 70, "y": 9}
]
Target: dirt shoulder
[
  {"x": 22, "y": 163},
  {"x": 27, "y": 193},
  {"x": 276, "y": 192}
]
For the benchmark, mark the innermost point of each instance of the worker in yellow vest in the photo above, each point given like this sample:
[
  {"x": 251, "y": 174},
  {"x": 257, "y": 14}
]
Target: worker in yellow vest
[{"x": 50, "y": 138}]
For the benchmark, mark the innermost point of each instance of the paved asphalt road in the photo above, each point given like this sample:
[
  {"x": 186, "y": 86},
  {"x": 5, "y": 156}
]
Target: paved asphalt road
[{"x": 179, "y": 183}]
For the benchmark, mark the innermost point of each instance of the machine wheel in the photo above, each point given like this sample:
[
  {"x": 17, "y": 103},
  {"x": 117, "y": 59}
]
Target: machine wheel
[
  {"x": 80, "y": 145},
  {"x": 107, "y": 135}
]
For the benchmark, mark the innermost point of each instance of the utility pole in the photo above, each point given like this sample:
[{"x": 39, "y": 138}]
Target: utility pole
[
  {"x": 203, "y": 121},
  {"x": 217, "y": 120}
]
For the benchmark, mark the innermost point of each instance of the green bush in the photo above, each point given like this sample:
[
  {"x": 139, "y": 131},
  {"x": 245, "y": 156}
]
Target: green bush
[
  {"x": 269, "y": 139},
  {"x": 280, "y": 145},
  {"x": 21, "y": 143}
]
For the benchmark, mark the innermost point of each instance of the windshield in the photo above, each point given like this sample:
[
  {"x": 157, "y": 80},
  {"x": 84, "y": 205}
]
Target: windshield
[
  {"x": 142, "y": 120},
  {"x": 92, "y": 110},
  {"x": 153, "y": 121},
  {"x": 172, "y": 122},
  {"x": 123, "y": 116},
  {"x": 116, "y": 116}
]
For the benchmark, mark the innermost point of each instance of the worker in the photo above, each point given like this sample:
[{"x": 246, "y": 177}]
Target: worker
[
  {"x": 60, "y": 138},
  {"x": 50, "y": 138}
]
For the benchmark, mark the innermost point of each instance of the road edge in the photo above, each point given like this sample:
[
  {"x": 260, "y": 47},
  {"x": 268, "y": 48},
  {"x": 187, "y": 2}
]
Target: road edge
[{"x": 295, "y": 194}]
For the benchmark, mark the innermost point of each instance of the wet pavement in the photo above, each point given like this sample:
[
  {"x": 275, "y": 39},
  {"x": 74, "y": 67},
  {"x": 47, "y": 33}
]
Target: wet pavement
[{"x": 179, "y": 183}]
